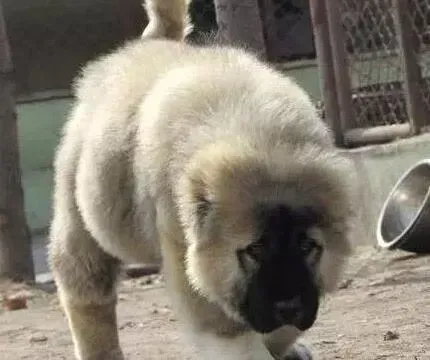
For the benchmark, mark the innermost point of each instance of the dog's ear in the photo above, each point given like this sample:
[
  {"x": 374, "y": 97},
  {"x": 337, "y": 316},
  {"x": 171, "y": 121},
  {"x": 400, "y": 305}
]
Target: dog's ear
[{"x": 196, "y": 205}]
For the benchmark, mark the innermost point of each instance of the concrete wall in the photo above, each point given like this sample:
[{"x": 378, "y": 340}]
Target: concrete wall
[
  {"x": 379, "y": 167},
  {"x": 39, "y": 124}
]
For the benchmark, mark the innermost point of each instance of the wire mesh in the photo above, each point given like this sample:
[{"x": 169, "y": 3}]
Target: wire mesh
[
  {"x": 420, "y": 19},
  {"x": 374, "y": 63}
]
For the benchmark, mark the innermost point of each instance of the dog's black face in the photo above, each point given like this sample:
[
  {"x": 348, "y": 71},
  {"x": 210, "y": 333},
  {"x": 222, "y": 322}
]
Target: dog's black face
[{"x": 282, "y": 289}]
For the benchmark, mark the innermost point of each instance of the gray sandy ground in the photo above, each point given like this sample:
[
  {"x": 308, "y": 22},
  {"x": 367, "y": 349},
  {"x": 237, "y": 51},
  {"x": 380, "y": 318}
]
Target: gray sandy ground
[{"x": 382, "y": 311}]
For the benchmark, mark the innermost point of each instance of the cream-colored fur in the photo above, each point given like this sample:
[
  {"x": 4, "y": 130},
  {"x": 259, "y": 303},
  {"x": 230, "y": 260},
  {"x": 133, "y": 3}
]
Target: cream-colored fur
[{"x": 158, "y": 127}]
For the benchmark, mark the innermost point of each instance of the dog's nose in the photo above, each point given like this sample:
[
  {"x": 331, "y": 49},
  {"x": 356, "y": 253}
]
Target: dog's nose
[{"x": 288, "y": 310}]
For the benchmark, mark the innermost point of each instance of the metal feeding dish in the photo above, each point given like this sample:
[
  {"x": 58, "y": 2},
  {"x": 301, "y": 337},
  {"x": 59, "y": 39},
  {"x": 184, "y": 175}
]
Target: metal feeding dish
[{"x": 404, "y": 221}]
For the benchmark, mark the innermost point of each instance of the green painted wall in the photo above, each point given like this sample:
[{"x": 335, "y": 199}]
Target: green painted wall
[
  {"x": 40, "y": 125},
  {"x": 308, "y": 77}
]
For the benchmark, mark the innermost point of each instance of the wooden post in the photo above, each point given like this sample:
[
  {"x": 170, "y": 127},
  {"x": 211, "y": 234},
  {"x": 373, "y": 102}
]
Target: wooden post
[
  {"x": 16, "y": 259},
  {"x": 326, "y": 68},
  {"x": 340, "y": 64},
  {"x": 240, "y": 22},
  {"x": 417, "y": 109}
]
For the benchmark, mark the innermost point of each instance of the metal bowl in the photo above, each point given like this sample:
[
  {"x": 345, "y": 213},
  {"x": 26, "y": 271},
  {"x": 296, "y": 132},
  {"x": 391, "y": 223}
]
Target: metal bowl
[{"x": 404, "y": 221}]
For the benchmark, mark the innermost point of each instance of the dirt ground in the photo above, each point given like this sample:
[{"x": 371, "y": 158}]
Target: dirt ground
[{"x": 381, "y": 311}]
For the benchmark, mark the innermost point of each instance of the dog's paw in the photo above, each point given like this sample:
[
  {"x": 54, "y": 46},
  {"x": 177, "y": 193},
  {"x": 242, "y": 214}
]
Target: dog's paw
[{"x": 298, "y": 351}]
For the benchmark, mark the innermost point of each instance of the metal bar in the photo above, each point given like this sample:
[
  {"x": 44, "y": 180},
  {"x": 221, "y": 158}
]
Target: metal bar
[
  {"x": 377, "y": 134},
  {"x": 411, "y": 69},
  {"x": 325, "y": 68},
  {"x": 340, "y": 64}
]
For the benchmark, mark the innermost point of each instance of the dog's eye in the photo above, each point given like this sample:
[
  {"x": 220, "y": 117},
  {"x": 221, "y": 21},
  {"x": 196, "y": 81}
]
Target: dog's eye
[
  {"x": 255, "y": 251},
  {"x": 307, "y": 245},
  {"x": 251, "y": 257}
]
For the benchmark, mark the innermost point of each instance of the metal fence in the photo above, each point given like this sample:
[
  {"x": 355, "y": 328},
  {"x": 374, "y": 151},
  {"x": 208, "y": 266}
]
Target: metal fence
[{"x": 374, "y": 57}]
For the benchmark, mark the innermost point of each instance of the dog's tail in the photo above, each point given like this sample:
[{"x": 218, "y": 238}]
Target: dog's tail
[{"x": 168, "y": 19}]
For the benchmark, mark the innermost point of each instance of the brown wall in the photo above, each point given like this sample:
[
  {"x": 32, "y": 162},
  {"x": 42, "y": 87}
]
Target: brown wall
[{"x": 51, "y": 39}]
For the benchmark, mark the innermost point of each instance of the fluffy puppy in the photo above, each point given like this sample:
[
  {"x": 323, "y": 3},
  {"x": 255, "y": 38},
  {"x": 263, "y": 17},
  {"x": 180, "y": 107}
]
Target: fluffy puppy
[{"x": 206, "y": 158}]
